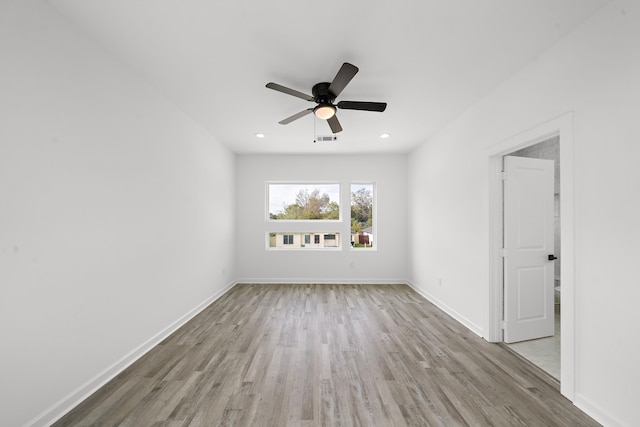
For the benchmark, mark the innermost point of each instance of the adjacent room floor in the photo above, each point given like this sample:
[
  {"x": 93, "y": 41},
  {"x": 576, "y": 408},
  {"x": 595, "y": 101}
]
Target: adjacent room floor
[{"x": 543, "y": 352}]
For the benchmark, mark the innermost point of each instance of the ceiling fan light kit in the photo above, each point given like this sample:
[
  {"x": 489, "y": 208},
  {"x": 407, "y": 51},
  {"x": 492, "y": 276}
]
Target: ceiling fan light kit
[
  {"x": 324, "y": 111},
  {"x": 324, "y": 94}
]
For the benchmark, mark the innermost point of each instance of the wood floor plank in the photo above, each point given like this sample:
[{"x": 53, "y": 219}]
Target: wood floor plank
[{"x": 326, "y": 355}]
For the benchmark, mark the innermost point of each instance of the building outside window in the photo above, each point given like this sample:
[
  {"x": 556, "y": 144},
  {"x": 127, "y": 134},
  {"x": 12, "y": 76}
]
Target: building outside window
[
  {"x": 306, "y": 204},
  {"x": 303, "y": 240}
]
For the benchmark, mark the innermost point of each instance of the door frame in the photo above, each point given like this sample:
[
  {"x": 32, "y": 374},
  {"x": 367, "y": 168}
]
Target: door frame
[{"x": 561, "y": 126}]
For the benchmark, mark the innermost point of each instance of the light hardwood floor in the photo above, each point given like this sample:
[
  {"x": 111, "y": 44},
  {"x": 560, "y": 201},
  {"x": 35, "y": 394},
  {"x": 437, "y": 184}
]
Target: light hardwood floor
[{"x": 327, "y": 355}]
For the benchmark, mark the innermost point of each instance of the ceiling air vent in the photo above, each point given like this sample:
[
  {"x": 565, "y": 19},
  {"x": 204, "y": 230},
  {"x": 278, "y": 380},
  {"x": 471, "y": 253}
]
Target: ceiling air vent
[{"x": 326, "y": 138}]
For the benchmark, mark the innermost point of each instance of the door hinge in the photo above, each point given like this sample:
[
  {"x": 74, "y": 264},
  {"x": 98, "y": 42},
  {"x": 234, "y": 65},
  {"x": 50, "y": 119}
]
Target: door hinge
[
  {"x": 503, "y": 252},
  {"x": 503, "y": 176},
  {"x": 503, "y": 324}
]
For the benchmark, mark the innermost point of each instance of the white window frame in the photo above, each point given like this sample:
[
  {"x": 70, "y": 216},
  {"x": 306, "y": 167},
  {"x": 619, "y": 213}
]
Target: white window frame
[
  {"x": 302, "y": 227},
  {"x": 374, "y": 214}
]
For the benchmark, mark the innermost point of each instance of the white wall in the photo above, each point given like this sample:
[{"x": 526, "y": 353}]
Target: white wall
[
  {"x": 386, "y": 264},
  {"x": 116, "y": 215},
  {"x": 594, "y": 73},
  {"x": 117, "y": 212}
]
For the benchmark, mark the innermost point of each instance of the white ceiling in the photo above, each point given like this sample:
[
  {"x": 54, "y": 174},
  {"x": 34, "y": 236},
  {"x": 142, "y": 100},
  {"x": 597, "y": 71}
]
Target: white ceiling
[{"x": 430, "y": 60}]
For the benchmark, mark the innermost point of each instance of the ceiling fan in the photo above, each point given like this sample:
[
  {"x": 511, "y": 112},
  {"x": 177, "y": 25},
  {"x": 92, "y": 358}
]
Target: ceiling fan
[{"x": 324, "y": 94}]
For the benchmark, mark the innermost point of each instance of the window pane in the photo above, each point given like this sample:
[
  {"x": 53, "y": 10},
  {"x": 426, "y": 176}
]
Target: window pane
[
  {"x": 288, "y": 240},
  {"x": 362, "y": 233},
  {"x": 304, "y": 201}
]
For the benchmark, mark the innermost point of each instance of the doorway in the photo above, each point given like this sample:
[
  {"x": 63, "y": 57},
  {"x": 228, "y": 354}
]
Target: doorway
[
  {"x": 562, "y": 129},
  {"x": 542, "y": 349}
]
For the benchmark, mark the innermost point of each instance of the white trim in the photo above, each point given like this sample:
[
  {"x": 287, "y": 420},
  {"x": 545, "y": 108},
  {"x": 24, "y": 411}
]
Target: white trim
[
  {"x": 476, "y": 329},
  {"x": 562, "y": 126},
  {"x": 66, "y": 404},
  {"x": 494, "y": 327},
  {"x": 596, "y": 412},
  {"x": 305, "y": 249},
  {"x": 319, "y": 281}
]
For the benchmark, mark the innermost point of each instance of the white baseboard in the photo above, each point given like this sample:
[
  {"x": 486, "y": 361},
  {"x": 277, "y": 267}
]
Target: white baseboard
[
  {"x": 323, "y": 281},
  {"x": 596, "y": 412},
  {"x": 59, "y": 409},
  {"x": 476, "y": 329}
]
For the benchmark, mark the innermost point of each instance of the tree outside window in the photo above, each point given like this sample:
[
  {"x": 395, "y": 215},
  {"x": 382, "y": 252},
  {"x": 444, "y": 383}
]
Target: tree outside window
[
  {"x": 362, "y": 233},
  {"x": 304, "y": 202}
]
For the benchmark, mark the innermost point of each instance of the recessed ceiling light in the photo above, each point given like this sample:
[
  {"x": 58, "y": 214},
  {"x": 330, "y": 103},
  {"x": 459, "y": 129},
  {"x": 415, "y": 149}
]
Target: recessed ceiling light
[
  {"x": 385, "y": 135},
  {"x": 260, "y": 135}
]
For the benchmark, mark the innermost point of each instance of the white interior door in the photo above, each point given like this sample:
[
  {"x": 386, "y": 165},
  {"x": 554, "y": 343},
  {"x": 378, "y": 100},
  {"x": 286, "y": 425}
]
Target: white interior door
[{"x": 528, "y": 243}]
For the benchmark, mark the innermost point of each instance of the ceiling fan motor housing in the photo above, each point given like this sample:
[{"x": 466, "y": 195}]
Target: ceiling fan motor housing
[{"x": 321, "y": 94}]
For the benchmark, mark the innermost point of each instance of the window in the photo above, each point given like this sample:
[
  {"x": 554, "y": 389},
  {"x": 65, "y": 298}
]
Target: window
[
  {"x": 330, "y": 241},
  {"x": 308, "y": 216},
  {"x": 362, "y": 221},
  {"x": 303, "y": 201},
  {"x": 289, "y": 240}
]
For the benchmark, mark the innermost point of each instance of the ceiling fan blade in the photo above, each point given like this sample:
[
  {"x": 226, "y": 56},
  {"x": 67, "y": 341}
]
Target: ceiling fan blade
[
  {"x": 366, "y": 106},
  {"x": 295, "y": 116},
  {"x": 280, "y": 88},
  {"x": 344, "y": 76},
  {"x": 334, "y": 124}
]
